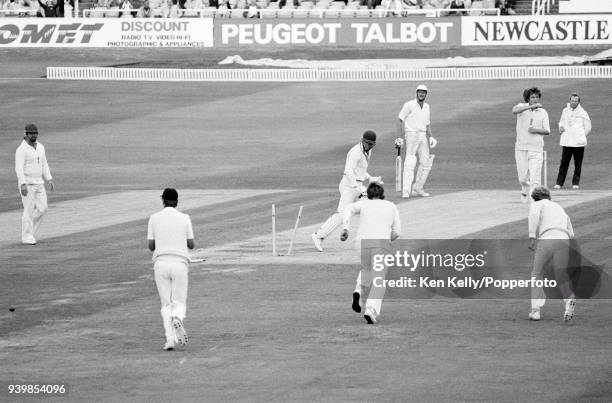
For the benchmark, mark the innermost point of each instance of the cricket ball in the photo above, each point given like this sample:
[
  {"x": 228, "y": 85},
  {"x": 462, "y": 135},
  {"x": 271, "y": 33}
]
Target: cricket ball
[{"x": 12, "y": 308}]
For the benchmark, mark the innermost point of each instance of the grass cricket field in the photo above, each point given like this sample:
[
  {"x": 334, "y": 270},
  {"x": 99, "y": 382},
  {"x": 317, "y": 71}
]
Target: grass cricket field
[{"x": 266, "y": 328}]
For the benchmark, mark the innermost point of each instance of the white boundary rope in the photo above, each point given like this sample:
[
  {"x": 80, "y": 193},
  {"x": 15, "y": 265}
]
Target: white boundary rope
[{"x": 296, "y": 75}]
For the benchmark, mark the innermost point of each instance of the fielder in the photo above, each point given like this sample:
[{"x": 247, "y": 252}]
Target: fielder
[
  {"x": 379, "y": 220},
  {"x": 531, "y": 124},
  {"x": 549, "y": 223},
  {"x": 32, "y": 171},
  {"x": 170, "y": 234},
  {"x": 352, "y": 185},
  {"x": 415, "y": 126}
]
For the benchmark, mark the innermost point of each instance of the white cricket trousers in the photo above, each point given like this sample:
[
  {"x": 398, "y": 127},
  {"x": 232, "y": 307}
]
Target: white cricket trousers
[
  {"x": 529, "y": 169},
  {"x": 348, "y": 195},
  {"x": 172, "y": 279},
  {"x": 369, "y": 282},
  {"x": 34, "y": 207},
  {"x": 555, "y": 252},
  {"x": 416, "y": 144}
]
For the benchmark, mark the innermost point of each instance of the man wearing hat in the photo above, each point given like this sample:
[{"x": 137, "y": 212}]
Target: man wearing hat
[
  {"x": 32, "y": 172},
  {"x": 352, "y": 186},
  {"x": 550, "y": 225},
  {"x": 414, "y": 126},
  {"x": 170, "y": 235}
]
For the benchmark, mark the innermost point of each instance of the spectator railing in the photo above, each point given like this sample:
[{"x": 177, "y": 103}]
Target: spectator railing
[
  {"x": 541, "y": 7},
  {"x": 295, "y": 75},
  {"x": 288, "y": 13}
]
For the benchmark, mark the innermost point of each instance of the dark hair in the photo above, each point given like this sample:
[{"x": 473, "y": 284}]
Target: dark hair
[
  {"x": 170, "y": 197},
  {"x": 533, "y": 90},
  {"x": 376, "y": 191},
  {"x": 575, "y": 94},
  {"x": 540, "y": 193}
]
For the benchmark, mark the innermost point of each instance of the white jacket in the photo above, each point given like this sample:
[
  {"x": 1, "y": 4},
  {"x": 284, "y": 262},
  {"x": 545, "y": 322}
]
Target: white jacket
[{"x": 577, "y": 125}]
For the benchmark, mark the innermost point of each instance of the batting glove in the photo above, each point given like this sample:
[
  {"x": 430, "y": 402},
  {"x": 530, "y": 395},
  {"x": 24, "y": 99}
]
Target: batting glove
[
  {"x": 399, "y": 142},
  {"x": 432, "y": 142},
  {"x": 362, "y": 191}
]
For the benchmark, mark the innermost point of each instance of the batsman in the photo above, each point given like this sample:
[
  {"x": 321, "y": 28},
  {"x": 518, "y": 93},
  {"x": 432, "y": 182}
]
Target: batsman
[{"x": 414, "y": 126}]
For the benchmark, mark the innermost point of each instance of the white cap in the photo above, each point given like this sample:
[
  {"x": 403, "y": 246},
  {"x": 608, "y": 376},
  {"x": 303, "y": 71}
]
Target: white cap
[{"x": 422, "y": 87}]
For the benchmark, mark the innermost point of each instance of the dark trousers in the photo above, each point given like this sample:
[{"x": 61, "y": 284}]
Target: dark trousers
[{"x": 566, "y": 156}]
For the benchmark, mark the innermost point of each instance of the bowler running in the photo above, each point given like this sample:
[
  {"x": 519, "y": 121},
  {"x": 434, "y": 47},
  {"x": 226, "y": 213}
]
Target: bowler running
[{"x": 379, "y": 220}]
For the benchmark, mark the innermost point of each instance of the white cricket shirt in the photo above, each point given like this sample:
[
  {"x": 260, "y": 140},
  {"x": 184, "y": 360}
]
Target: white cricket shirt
[
  {"x": 548, "y": 220},
  {"x": 537, "y": 118},
  {"x": 31, "y": 164},
  {"x": 415, "y": 118},
  {"x": 356, "y": 166},
  {"x": 377, "y": 218},
  {"x": 170, "y": 229}
]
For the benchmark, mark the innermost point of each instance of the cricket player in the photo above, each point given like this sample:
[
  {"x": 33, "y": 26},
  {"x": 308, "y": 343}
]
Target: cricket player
[
  {"x": 415, "y": 126},
  {"x": 574, "y": 127},
  {"x": 352, "y": 185},
  {"x": 379, "y": 220},
  {"x": 32, "y": 171},
  {"x": 531, "y": 124},
  {"x": 550, "y": 225},
  {"x": 170, "y": 234}
]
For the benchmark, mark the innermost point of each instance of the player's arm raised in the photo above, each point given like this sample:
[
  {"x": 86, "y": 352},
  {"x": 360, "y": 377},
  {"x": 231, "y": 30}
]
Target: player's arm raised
[{"x": 520, "y": 108}]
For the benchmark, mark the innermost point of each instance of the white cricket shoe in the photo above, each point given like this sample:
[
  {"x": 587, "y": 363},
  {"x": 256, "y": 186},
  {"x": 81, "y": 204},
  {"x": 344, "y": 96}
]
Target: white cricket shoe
[
  {"x": 356, "y": 298},
  {"x": 557, "y": 187},
  {"x": 534, "y": 315},
  {"x": 29, "y": 241},
  {"x": 169, "y": 346},
  {"x": 179, "y": 330},
  {"x": 575, "y": 187},
  {"x": 370, "y": 316},
  {"x": 420, "y": 192},
  {"x": 318, "y": 242},
  {"x": 405, "y": 195},
  {"x": 523, "y": 198},
  {"x": 569, "y": 309}
]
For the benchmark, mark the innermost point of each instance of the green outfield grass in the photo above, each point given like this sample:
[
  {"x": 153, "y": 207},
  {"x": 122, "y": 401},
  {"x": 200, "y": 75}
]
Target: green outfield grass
[{"x": 87, "y": 312}]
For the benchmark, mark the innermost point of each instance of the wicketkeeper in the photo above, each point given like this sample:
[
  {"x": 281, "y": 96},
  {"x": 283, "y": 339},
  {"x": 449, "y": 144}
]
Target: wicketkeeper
[{"x": 414, "y": 126}]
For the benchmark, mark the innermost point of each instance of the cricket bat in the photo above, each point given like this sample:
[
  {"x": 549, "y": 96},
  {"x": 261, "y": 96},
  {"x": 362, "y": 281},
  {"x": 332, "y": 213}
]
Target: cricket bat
[{"x": 398, "y": 170}]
